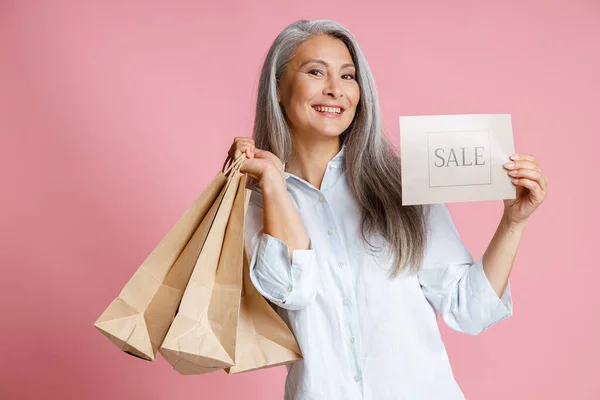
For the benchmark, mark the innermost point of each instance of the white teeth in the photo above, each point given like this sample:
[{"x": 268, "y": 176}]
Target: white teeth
[{"x": 336, "y": 110}]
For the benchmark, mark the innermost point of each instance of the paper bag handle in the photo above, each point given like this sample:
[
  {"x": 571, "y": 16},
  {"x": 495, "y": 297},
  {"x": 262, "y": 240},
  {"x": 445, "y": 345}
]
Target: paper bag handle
[{"x": 235, "y": 165}]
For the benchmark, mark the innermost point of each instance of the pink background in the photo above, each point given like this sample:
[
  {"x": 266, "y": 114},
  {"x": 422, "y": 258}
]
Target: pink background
[{"x": 114, "y": 115}]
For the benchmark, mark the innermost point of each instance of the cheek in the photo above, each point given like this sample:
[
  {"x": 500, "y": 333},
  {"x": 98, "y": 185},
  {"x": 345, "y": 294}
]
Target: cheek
[
  {"x": 305, "y": 90},
  {"x": 354, "y": 95}
]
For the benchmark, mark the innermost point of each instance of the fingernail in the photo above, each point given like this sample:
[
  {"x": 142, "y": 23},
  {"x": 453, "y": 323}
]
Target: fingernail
[
  {"x": 514, "y": 157},
  {"x": 514, "y": 180},
  {"x": 513, "y": 173},
  {"x": 509, "y": 165}
]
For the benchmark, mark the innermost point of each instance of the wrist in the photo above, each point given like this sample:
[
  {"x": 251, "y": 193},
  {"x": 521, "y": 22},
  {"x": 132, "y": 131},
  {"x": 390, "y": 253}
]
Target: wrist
[
  {"x": 272, "y": 181},
  {"x": 513, "y": 226}
]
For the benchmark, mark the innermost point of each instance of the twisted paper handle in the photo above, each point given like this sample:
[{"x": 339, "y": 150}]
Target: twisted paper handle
[{"x": 236, "y": 165}]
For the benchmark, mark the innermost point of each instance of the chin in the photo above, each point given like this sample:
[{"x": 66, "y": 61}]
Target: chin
[
  {"x": 329, "y": 134},
  {"x": 330, "y": 131}
]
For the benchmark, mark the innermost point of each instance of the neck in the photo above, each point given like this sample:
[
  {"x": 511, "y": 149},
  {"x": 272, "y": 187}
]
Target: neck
[{"x": 310, "y": 159}]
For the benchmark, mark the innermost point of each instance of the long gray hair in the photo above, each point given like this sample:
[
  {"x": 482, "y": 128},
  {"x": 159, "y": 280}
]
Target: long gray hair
[{"x": 372, "y": 166}]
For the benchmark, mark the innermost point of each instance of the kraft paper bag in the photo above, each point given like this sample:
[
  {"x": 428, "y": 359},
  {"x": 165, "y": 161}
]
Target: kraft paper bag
[
  {"x": 263, "y": 339},
  {"x": 455, "y": 158},
  {"x": 202, "y": 337},
  {"x": 137, "y": 321}
]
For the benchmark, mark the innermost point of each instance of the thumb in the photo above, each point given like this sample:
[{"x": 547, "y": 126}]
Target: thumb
[
  {"x": 260, "y": 153},
  {"x": 252, "y": 167}
]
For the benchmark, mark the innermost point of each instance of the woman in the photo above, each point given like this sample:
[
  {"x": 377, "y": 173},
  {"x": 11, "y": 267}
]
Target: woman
[{"x": 354, "y": 274}]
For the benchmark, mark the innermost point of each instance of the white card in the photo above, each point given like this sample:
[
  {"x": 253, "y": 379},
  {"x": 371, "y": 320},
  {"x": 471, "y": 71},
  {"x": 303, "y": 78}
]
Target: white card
[{"x": 455, "y": 158}]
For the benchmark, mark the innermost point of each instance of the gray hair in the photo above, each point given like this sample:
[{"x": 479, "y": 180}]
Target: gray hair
[{"x": 371, "y": 164}]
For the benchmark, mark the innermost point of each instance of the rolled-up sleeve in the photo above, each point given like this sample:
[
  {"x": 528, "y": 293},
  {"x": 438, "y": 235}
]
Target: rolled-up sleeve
[
  {"x": 290, "y": 284},
  {"x": 454, "y": 284}
]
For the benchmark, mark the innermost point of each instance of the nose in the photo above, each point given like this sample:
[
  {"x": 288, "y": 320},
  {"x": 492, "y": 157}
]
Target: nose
[{"x": 333, "y": 88}]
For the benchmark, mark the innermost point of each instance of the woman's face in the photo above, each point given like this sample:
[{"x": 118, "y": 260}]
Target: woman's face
[{"x": 319, "y": 91}]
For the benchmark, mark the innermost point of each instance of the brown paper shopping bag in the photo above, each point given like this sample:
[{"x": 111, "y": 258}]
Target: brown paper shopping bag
[
  {"x": 202, "y": 336},
  {"x": 263, "y": 339},
  {"x": 139, "y": 318}
]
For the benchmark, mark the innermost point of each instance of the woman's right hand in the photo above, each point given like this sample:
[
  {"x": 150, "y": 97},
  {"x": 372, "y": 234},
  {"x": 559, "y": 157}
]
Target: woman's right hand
[{"x": 260, "y": 164}]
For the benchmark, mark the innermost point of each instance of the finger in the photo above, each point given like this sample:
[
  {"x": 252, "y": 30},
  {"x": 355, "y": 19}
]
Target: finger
[
  {"x": 533, "y": 187},
  {"x": 245, "y": 147},
  {"x": 258, "y": 153},
  {"x": 512, "y": 165},
  {"x": 239, "y": 146},
  {"x": 242, "y": 140},
  {"x": 239, "y": 140},
  {"x": 544, "y": 183},
  {"x": 248, "y": 170},
  {"x": 237, "y": 149},
  {"x": 252, "y": 168},
  {"x": 531, "y": 174},
  {"x": 522, "y": 156}
]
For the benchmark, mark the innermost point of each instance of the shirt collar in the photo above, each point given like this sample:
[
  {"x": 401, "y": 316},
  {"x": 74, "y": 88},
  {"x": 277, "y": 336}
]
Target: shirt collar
[{"x": 335, "y": 162}]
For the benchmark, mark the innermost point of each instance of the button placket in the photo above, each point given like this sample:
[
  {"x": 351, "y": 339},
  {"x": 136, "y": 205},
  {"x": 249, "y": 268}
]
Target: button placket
[{"x": 349, "y": 317}]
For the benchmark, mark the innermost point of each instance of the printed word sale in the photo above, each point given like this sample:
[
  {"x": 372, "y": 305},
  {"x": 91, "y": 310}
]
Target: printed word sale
[{"x": 466, "y": 157}]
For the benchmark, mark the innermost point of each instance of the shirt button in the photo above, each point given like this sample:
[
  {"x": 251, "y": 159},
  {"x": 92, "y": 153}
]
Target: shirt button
[
  {"x": 331, "y": 167},
  {"x": 352, "y": 340},
  {"x": 347, "y": 302},
  {"x": 322, "y": 199},
  {"x": 331, "y": 231},
  {"x": 341, "y": 264},
  {"x": 290, "y": 288},
  {"x": 357, "y": 379}
]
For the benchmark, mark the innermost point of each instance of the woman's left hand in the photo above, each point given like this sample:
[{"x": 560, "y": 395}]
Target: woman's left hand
[{"x": 532, "y": 186}]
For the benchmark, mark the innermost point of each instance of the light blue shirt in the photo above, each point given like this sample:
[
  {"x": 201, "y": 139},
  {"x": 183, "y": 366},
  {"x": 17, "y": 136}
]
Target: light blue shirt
[{"x": 363, "y": 335}]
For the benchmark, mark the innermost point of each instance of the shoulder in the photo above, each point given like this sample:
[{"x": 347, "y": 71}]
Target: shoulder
[
  {"x": 436, "y": 215},
  {"x": 439, "y": 224},
  {"x": 433, "y": 211}
]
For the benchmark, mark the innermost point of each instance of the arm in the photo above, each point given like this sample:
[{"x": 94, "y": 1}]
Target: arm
[
  {"x": 500, "y": 255},
  {"x": 455, "y": 284},
  {"x": 473, "y": 296},
  {"x": 531, "y": 188},
  {"x": 281, "y": 219},
  {"x": 282, "y": 261}
]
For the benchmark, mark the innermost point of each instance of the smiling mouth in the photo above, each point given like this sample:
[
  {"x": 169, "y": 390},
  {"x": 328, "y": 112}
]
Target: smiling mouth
[{"x": 328, "y": 110}]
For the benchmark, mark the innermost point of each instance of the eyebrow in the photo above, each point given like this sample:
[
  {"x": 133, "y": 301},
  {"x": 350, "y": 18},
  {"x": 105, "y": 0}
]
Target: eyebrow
[{"x": 318, "y": 61}]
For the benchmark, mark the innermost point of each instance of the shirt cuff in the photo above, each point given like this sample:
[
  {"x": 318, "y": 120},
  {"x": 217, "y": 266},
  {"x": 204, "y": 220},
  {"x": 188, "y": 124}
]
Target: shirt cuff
[
  {"x": 288, "y": 284},
  {"x": 494, "y": 308}
]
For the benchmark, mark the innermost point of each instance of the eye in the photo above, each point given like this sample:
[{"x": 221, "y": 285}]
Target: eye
[
  {"x": 315, "y": 71},
  {"x": 351, "y": 76}
]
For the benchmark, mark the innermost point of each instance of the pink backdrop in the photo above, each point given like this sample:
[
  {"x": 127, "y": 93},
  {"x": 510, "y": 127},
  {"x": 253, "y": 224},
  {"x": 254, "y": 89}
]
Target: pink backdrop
[{"x": 114, "y": 115}]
